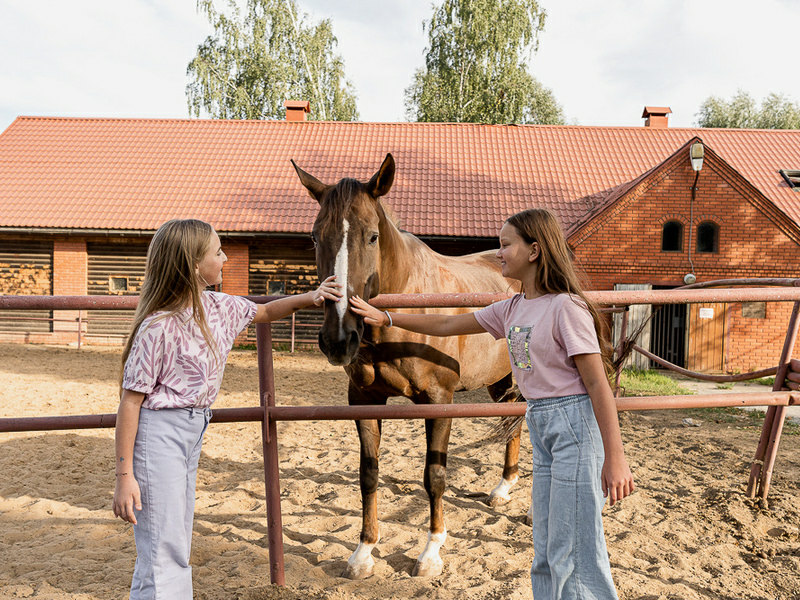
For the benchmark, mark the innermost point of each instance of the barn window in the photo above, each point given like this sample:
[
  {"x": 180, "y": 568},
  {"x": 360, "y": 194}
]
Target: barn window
[
  {"x": 707, "y": 237},
  {"x": 754, "y": 310},
  {"x": 276, "y": 288},
  {"x": 672, "y": 237},
  {"x": 117, "y": 284}
]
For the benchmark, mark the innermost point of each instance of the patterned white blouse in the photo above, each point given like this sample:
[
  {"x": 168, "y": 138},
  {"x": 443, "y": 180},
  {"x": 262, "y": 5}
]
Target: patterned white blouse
[{"x": 170, "y": 361}]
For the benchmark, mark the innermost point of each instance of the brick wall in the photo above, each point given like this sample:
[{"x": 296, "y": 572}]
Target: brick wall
[
  {"x": 70, "y": 273},
  {"x": 623, "y": 245},
  {"x": 236, "y": 273}
]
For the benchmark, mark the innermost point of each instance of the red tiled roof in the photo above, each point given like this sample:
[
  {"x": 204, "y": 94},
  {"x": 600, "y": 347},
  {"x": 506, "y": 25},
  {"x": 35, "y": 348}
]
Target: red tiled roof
[{"x": 451, "y": 179}]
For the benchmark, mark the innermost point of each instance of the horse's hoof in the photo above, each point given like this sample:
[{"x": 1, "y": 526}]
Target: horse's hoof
[
  {"x": 496, "y": 500},
  {"x": 358, "y": 572},
  {"x": 500, "y": 495},
  {"x": 429, "y": 568},
  {"x": 529, "y": 517},
  {"x": 360, "y": 564}
]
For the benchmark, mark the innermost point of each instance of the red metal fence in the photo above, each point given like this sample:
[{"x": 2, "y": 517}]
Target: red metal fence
[{"x": 268, "y": 413}]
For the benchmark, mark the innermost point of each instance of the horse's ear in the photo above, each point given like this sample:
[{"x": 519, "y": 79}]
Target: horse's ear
[
  {"x": 381, "y": 182},
  {"x": 314, "y": 186}
]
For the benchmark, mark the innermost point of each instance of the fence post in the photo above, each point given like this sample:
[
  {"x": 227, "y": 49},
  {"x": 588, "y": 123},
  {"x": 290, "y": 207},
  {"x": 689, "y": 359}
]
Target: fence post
[
  {"x": 269, "y": 440},
  {"x": 764, "y": 461}
]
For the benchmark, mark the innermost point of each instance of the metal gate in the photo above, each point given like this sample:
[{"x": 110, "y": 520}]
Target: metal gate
[{"x": 669, "y": 333}]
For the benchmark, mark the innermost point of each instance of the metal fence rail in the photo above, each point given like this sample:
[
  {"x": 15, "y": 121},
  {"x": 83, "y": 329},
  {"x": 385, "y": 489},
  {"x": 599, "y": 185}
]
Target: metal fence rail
[{"x": 269, "y": 414}]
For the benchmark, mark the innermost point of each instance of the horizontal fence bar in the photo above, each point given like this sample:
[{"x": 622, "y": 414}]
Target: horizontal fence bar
[
  {"x": 472, "y": 300},
  {"x": 16, "y": 424},
  {"x": 409, "y": 411}
]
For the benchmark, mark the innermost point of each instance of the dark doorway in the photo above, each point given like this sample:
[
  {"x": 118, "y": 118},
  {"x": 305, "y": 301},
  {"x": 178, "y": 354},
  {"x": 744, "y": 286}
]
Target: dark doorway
[{"x": 669, "y": 332}]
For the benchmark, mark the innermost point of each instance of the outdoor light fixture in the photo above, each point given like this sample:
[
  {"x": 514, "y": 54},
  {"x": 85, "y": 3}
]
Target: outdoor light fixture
[
  {"x": 696, "y": 155},
  {"x": 689, "y": 279}
]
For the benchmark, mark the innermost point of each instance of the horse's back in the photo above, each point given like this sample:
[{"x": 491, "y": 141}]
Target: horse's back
[{"x": 482, "y": 359}]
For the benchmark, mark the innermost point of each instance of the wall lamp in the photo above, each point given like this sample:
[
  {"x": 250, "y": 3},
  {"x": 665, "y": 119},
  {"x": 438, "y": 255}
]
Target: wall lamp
[{"x": 696, "y": 152}]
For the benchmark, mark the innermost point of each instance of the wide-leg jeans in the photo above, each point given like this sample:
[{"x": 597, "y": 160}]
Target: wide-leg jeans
[
  {"x": 165, "y": 458},
  {"x": 570, "y": 555}
]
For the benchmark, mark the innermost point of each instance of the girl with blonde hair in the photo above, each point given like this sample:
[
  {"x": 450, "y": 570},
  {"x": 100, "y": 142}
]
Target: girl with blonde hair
[
  {"x": 172, "y": 368},
  {"x": 554, "y": 342}
]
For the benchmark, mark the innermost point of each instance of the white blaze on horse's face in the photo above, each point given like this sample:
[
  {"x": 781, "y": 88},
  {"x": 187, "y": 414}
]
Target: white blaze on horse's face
[{"x": 340, "y": 270}]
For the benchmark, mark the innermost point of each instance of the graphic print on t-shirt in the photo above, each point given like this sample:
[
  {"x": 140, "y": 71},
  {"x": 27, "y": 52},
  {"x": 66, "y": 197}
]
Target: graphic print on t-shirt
[{"x": 519, "y": 341}]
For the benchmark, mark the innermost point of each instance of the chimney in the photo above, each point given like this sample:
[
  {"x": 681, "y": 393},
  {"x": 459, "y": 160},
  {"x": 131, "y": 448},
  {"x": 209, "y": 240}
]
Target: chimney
[
  {"x": 656, "y": 116},
  {"x": 296, "y": 109}
]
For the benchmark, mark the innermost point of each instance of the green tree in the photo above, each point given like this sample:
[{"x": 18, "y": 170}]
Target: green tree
[
  {"x": 474, "y": 70},
  {"x": 741, "y": 112},
  {"x": 253, "y": 64}
]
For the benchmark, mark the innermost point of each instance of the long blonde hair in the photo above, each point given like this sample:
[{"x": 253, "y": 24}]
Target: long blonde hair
[
  {"x": 556, "y": 273},
  {"x": 171, "y": 283}
]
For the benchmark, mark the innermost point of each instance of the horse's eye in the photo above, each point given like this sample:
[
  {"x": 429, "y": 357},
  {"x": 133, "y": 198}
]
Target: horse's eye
[{"x": 374, "y": 239}]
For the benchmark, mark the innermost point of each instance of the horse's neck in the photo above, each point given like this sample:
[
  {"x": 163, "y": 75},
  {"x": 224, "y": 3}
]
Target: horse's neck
[{"x": 401, "y": 253}]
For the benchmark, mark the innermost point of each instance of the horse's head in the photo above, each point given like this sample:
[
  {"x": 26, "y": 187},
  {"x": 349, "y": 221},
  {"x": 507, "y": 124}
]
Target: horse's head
[{"x": 346, "y": 236}]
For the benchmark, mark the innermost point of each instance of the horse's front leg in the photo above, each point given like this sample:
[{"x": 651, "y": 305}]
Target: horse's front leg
[
  {"x": 437, "y": 433},
  {"x": 361, "y": 563}
]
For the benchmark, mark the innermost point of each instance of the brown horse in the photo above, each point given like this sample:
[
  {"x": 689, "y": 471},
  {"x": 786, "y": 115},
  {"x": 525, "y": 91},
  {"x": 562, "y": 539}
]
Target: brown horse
[{"x": 356, "y": 241}]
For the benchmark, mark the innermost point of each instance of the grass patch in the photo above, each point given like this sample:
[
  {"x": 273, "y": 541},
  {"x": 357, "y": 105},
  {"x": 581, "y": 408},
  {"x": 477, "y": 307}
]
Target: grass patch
[{"x": 636, "y": 382}]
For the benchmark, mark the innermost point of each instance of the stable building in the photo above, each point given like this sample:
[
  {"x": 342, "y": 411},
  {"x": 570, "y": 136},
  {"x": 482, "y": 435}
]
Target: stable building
[{"x": 80, "y": 199}]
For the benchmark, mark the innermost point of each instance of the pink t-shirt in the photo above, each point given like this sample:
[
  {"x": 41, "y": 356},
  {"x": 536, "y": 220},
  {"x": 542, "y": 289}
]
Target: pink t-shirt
[
  {"x": 543, "y": 335},
  {"x": 170, "y": 361}
]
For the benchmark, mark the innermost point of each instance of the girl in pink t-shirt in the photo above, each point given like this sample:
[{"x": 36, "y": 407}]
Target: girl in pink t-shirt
[
  {"x": 553, "y": 339},
  {"x": 172, "y": 370}
]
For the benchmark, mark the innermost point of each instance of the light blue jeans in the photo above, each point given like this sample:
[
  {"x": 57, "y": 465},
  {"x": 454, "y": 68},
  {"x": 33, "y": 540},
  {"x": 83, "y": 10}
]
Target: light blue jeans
[
  {"x": 570, "y": 556},
  {"x": 165, "y": 458}
]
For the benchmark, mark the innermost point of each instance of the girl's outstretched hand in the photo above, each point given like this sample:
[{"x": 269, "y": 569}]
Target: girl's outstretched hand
[
  {"x": 372, "y": 316},
  {"x": 327, "y": 290}
]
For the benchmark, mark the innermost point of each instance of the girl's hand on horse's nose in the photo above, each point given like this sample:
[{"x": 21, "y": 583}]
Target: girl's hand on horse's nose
[
  {"x": 328, "y": 290},
  {"x": 372, "y": 316}
]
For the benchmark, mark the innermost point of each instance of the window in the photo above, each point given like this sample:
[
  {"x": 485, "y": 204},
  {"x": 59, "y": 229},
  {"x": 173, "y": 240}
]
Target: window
[
  {"x": 276, "y": 288},
  {"x": 707, "y": 237},
  {"x": 792, "y": 178},
  {"x": 672, "y": 237},
  {"x": 117, "y": 284}
]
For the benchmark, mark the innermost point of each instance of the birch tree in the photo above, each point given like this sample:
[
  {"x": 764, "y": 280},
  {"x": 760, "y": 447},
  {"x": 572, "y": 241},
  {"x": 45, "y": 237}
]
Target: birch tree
[
  {"x": 474, "y": 66},
  {"x": 256, "y": 61}
]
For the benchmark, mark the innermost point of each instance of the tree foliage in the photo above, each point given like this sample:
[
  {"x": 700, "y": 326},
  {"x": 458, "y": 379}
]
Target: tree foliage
[
  {"x": 253, "y": 64},
  {"x": 474, "y": 70},
  {"x": 741, "y": 112}
]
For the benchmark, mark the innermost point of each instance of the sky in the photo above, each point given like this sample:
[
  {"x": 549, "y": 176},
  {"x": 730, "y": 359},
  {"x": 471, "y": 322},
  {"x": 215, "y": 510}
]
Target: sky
[{"x": 604, "y": 61}]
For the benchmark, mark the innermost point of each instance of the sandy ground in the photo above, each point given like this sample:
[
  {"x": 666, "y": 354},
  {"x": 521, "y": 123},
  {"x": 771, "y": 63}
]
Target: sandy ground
[{"x": 688, "y": 532}]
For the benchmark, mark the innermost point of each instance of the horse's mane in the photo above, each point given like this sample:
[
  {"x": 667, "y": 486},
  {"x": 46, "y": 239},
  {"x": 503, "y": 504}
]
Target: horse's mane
[{"x": 335, "y": 205}]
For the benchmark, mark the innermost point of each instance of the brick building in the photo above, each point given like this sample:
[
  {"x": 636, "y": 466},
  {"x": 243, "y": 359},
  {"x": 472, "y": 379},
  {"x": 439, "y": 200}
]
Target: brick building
[{"x": 80, "y": 198}]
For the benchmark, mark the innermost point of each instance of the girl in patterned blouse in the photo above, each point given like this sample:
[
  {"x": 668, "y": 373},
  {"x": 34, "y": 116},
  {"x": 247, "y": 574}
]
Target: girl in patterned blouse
[
  {"x": 553, "y": 335},
  {"x": 173, "y": 364}
]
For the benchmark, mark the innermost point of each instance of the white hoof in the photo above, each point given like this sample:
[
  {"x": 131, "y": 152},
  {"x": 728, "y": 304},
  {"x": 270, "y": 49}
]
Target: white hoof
[
  {"x": 361, "y": 564},
  {"x": 500, "y": 495},
  {"x": 429, "y": 563},
  {"x": 529, "y": 516}
]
